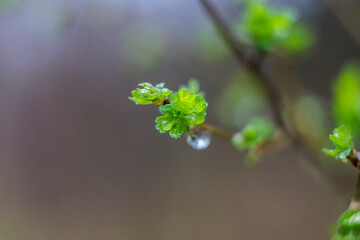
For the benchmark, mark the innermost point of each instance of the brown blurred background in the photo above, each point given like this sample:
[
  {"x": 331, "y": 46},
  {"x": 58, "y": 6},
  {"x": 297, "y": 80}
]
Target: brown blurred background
[{"x": 78, "y": 160}]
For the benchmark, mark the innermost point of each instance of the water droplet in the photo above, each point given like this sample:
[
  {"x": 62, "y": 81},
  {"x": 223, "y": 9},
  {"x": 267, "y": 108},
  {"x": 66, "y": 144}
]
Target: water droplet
[{"x": 199, "y": 140}]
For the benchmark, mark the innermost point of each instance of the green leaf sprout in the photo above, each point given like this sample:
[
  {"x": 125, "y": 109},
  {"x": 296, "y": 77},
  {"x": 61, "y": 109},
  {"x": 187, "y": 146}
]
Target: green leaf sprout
[
  {"x": 193, "y": 87},
  {"x": 343, "y": 142},
  {"x": 150, "y": 94},
  {"x": 348, "y": 226},
  {"x": 185, "y": 110},
  {"x": 208, "y": 45},
  {"x": 266, "y": 26},
  {"x": 255, "y": 133}
]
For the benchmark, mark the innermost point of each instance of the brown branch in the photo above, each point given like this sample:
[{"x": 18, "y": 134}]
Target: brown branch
[
  {"x": 218, "y": 131},
  {"x": 355, "y": 200},
  {"x": 225, "y": 31},
  {"x": 353, "y": 158},
  {"x": 251, "y": 60},
  {"x": 279, "y": 142},
  {"x": 350, "y": 26}
]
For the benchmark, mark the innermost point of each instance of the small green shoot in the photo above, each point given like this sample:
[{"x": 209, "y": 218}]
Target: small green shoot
[
  {"x": 184, "y": 110},
  {"x": 265, "y": 25},
  {"x": 150, "y": 94},
  {"x": 193, "y": 86},
  {"x": 343, "y": 142},
  {"x": 348, "y": 226},
  {"x": 255, "y": 133}
]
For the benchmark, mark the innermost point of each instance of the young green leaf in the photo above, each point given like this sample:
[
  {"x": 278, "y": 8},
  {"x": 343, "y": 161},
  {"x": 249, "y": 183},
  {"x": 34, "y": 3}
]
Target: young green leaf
[
  {"x": 266, "y": 26},
  {"x": 254, "y": 134},
  {"x": 184, "y": 111},
  {"x": 348, "y": 226},
  {"x": 150, "y": 94},
  {"x": 343, "y": 142},
  {"x": 193, "y": 86},
  {"x": 346, "y": 105}
]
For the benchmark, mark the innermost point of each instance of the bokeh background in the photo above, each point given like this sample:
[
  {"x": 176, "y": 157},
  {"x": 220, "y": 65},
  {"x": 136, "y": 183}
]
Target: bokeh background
[{"x": 78, "y": 160}]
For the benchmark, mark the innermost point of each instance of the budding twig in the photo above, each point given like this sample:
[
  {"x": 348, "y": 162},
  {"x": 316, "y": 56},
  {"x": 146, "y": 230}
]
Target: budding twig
[
  {"x": 217, "y": 131},
  {"x": 251, "y": 60},
  {"x": 354, "y": 159},
  {"x": 355, "y": 200}
]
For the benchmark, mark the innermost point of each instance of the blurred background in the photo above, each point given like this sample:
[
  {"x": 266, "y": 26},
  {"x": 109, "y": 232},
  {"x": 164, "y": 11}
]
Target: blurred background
[{"x": 78, "y": 160}]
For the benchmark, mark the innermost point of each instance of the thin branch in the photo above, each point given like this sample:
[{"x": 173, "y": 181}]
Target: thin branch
[
  {"x": 274, "y": 97},
  {"x": 354, "y": 159},
  {"x": 251, "y": 60},
  {"x": 225, "y": 31},
  {"x": 349, "y": 25},
  {"x": 279, "y": 142},
  {"x": 355, "y": 200},
  {"x": 218, "y": 131}
]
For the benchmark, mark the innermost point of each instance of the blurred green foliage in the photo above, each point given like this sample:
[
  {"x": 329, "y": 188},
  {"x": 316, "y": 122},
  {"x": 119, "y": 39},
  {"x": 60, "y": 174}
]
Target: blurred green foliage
[
  {"x": 10, "y": 5},
  {"x": 50, "y": 17},
  {"x": 348, "y": 226},
  {"x": 309, "y": 116},
  {"x": 255, "y": 133},
  {"x": 193, "y": 86},
  {"x": 267, "y": 27},
  {"x": 209, "y": 46},
  {"x": 346, "y": 91},
  {"x": 144, "y": 47},
  {"x": 299, "y": 40},
  {"x": 342, "y": 139},
  {"x": 150, "y": 94},
  {"x": 185, "y": 110},
  {"x": 242, "y": 99}
]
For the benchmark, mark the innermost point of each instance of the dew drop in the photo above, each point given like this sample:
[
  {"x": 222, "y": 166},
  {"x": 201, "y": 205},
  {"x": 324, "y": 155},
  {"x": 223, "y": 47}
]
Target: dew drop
[{"x": 199, "y": 140}]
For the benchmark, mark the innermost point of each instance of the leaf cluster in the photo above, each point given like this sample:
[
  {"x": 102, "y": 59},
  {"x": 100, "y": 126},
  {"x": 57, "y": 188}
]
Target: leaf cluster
[
  {"x": 255, "y": 133},
  {"x": 267, "y": 27},
  {"x": 342, "y": 139},
  {"x": 150, "y": 94},
  {"x": 348, "y": 226},
  {"x": 186, "y": 109},
  {"x": 193, "y": 86}
]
